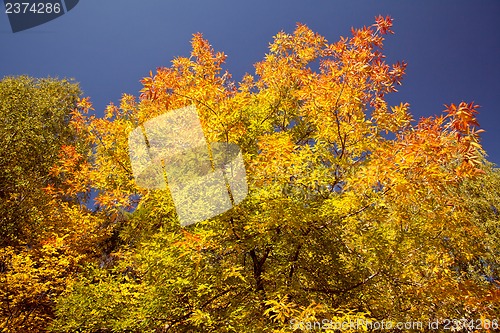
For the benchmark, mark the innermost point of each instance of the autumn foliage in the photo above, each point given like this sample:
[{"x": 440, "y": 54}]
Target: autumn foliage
[{"x": 355, "y": 210}]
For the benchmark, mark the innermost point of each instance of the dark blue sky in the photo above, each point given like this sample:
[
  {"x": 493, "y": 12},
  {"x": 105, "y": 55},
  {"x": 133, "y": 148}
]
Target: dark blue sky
[{"x": 452, "y": 47}]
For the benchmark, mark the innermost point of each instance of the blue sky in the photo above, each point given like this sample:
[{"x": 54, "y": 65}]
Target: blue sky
[{"x": 452, "y": 47}]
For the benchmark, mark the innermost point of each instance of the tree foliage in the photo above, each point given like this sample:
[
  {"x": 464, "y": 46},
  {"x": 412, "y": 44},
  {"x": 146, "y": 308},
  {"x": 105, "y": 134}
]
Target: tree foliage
[
  {"x": 43, "y": 238},
  {"x": 354, "y": 211},
  {"x": 35, "y": 115}
]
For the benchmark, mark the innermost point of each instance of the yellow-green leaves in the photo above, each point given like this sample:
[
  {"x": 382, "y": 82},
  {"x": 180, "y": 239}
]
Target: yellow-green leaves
[{"x": 354, "y": 210}]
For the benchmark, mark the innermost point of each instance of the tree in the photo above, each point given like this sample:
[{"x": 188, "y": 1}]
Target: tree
[
  {"x": 35, "y": 115},
  {"x": 42, "y": 240},
  {"x": 342, "y": 222}
]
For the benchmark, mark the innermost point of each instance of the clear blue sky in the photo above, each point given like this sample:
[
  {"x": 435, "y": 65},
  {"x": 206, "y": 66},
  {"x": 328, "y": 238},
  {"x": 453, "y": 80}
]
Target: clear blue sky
[{"x": 452, "y": 47}]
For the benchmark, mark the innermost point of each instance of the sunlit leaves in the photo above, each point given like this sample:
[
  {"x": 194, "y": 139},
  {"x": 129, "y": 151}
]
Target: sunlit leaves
[
  {"x": 35, "y": 115},
  {"x": 354, "y": 208}
]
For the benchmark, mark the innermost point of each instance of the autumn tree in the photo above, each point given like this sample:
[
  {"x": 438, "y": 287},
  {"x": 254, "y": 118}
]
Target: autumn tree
[
  {"x": 35, "y": 115},
  {"x": 42, "y": 239},
  {"x": 342, "y": 220}
]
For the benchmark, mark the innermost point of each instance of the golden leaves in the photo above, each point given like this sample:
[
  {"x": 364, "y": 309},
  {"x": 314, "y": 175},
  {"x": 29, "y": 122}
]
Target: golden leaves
[
  {"x": 85, "y": 104},
  {"x": 335, "y": 205},
  {"x": 276, "y": 156}
]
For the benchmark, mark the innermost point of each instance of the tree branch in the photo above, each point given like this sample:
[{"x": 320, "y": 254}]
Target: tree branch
[{"x": 332, "y": 291}]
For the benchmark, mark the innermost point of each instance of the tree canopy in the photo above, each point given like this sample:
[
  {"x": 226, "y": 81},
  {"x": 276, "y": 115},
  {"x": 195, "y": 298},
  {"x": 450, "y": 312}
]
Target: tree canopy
[
  {"x": 35, "y": 116},
  {"x": 354, "y": 209}
]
